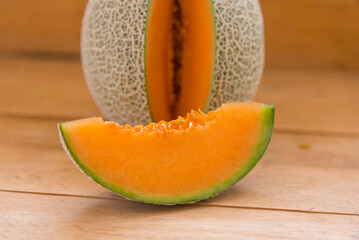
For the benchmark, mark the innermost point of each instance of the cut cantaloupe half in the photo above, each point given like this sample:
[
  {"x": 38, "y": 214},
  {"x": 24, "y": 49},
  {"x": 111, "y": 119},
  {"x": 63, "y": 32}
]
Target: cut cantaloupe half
[
  {"x": 152, "y": 60},
  {"x": 180, "y": 57},
  {"x": 185, "y": 160}
]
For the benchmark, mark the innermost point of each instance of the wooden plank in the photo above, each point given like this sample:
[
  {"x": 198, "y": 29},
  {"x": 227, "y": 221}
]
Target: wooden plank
[
  {"x": 44, "y": 88},
  {"x": 41, "y": 216},
  {"x": 305, "y": 100},
  {"x": 40, "y": 25},
  {"x": 311, "y": 34},
  {"x": 334, "y": 3},
  {"x": 298, "y": 172},
  {"x": 313, "y": 100},
  {"x": 307, "y": 33}
]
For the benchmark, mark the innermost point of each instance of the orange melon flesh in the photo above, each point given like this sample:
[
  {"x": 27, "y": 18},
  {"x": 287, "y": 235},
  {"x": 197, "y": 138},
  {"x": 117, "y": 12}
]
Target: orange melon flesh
[
  {"x": 190, "y": 42},
  {"x": 184, "y": 160}
]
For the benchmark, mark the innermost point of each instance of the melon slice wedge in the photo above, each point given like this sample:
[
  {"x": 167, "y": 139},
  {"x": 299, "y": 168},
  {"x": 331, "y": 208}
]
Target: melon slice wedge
[{"x": 181, "y": 161}]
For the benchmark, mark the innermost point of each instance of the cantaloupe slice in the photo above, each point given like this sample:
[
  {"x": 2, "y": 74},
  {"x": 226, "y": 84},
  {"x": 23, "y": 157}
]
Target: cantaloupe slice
[{"x": 185, "y": 160}]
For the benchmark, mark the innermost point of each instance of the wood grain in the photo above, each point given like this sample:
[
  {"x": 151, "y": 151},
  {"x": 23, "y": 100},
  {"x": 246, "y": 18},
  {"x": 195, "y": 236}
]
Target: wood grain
[
  {"x": 313, "y": 100},
  {"x": 55, "y": 217},
  {"x": 298, "y": 172},
  {"x": 305, "y": 34},
  {"x": 305, "y": 187},
  {"x": 44, "y": 88},
  {"x": 311, "y": 33},
  {"x": 40, "y": 25},
  {"x": 304, "y": 100}
]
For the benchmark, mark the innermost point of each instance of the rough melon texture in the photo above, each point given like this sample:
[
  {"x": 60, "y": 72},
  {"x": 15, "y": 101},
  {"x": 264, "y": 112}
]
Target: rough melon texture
[
  {"x": 113, "y": 58},
  {"x": 113, "y": 53},
  {"x": 240, "y": 51}
]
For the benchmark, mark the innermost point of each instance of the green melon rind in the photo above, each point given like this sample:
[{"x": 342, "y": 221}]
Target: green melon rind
[
  {"x": 205, "y": 109},
  {"x": 263, "y": 142},
  {"x": 145, "y": 62},
  {"x": 209, "y": 95}
]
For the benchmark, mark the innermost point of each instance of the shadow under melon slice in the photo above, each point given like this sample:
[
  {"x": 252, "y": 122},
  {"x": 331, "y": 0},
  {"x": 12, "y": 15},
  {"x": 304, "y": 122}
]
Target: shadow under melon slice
[{"x": 181, "y": 161}]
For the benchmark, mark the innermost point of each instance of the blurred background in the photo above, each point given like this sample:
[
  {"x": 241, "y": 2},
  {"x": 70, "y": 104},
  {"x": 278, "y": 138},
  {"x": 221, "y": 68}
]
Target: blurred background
[
  {"x": 299, "y": 33},
  {"x": 312, "y": 54}
]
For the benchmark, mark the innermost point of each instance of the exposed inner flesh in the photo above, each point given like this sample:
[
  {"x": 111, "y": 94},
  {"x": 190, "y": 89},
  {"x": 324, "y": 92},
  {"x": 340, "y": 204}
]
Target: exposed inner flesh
[
  {"x": 181, "y": 157},
  {"x": 180, "y": 51},
  {"x": 192, "y": 119}
]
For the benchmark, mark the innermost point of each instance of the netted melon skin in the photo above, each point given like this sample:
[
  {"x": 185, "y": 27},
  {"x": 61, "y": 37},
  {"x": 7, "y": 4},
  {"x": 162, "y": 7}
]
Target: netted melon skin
[
  {"x": 113, "y": 55},
  {"x": 112, "y": 47},
  {"x": 239, "y": 53}
]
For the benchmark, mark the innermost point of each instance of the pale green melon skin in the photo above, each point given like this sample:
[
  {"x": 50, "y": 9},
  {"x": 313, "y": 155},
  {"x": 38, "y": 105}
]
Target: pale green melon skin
[{"x": 113, "y": 55}]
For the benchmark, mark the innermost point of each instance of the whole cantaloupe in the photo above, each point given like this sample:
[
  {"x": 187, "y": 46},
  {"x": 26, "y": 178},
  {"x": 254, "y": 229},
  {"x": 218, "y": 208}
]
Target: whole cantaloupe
[{"x": 151, "y": 60}]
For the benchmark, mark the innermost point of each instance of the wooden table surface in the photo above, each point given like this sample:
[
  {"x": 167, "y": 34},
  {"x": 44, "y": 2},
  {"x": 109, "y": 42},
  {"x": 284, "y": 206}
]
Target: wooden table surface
[{"x": 305, "y": 187}]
